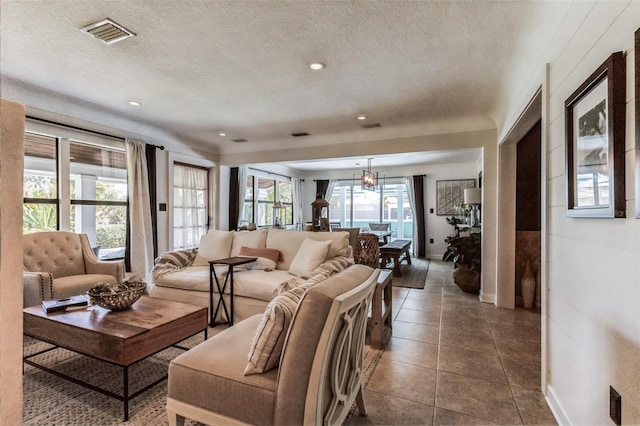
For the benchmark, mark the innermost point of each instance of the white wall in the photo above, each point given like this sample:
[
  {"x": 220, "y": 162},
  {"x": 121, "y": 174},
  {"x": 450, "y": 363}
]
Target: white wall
[
  {"x": 12, "y": 165},
  {"x": 437, "y": 226},
  {"x": 593, "y": 313}
]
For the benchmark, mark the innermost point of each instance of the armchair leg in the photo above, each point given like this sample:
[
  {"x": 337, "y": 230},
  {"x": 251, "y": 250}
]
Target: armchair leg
[{"x": 360, "y": 402}]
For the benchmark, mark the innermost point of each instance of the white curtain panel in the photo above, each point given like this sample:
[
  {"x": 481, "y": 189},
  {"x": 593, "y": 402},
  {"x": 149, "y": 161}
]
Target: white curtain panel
[
  {"x": 408, "y": 184},
  {"x": 243, "y": 172},
  {"x": 297, "y": 203},
  {"x": 330, "y": 188},
  {"x": 190, "y": 206},
  {"x": 139, "y": 209}
]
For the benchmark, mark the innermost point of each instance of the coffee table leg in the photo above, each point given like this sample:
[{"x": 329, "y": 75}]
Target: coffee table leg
[{"x": 126, "y": 392}]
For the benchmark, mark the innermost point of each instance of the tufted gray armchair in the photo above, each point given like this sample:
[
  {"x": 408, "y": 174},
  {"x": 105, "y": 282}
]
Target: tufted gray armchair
[{"x": 60, "y": 264}]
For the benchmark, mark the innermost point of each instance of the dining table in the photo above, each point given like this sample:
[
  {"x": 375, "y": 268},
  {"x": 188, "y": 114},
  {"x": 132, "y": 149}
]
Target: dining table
[{"x": 382, "y": 235}]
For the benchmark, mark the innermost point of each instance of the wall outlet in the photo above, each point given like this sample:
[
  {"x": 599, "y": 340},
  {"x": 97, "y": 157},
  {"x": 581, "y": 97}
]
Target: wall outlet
[
  {"x": 615, "y": 406},
  {"x": 163, "y": 207},
  {"x": 431, "y": 211},
  {"x": 430, "y": 240}
]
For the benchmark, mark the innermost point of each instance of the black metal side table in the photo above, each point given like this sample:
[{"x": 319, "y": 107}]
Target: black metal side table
[{"x": 231, "y": 262}]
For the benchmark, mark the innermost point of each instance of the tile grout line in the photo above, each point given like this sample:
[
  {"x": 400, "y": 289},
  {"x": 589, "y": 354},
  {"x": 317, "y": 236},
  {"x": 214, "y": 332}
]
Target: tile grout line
[
  {"x": 493, "y": 340},
  {"x": 435, "y": 390}
]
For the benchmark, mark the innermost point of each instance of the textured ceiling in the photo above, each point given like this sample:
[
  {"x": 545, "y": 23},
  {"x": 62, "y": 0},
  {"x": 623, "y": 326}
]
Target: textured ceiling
[{"x": 201, "y": 67}]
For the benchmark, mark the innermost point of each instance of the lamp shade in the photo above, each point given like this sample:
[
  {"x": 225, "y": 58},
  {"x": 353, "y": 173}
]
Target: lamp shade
[{"x": 473, "y": 196}]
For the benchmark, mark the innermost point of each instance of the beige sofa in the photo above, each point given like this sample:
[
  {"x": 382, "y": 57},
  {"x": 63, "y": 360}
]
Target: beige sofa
[
  {"x": 320, "y": 370},
  {"x": 183, "y": 276},
  {"x": 60, "y": 264}
]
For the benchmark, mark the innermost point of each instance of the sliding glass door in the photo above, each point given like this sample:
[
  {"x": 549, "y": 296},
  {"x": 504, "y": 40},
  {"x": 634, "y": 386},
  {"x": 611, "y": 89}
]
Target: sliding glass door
[{"x": 354, "y": 207}]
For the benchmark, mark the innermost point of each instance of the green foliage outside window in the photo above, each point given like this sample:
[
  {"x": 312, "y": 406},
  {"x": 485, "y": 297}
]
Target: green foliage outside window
[{"x": 111, "y": 236}]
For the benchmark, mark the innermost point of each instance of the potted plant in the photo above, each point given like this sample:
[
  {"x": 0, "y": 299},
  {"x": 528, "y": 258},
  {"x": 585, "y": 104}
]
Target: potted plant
[{"x": 465, "y": 254}]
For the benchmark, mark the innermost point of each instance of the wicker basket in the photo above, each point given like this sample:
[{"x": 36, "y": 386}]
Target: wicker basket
[{"x": 116, "y": 296}]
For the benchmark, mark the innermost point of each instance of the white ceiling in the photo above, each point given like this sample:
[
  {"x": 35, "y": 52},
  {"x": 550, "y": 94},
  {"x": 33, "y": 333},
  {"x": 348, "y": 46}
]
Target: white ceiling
[
  {"x": 389, "y": 160},
  {"x": 202, "y": 67}
]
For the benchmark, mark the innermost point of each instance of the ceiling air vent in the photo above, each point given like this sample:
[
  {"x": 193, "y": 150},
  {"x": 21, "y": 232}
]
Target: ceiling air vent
[
  {"x": 107, "y": 31},
  {"x": 371, "y": 126},
  {"x": 239, "y": 140},
  {"x": 299, "y": 134}
]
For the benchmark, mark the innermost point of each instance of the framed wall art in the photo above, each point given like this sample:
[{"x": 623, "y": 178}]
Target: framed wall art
[
  {"x": 594, "y": 133},
  {"x": 450, "y": 195}
]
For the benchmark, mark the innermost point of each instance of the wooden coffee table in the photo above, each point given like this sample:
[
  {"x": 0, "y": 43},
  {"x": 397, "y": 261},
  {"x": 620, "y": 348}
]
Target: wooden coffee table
[{"x": 118, "y": 337}]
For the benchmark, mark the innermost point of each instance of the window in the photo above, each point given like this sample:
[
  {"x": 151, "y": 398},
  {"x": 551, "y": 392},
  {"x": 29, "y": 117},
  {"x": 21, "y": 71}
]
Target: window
[
  {"x": 247, "y": 212},
  {"x": 98, "y": 193},
  {"x": 40, "y": 209},
  {"x": 190, "y": 205},
  {"x": 266, "y": 197},
  {"x": 353, "y": 206},
  {"x": 76, "y": 182},
  {"x": 262, "y": 192},
  {"x": 285, "y": 191}
]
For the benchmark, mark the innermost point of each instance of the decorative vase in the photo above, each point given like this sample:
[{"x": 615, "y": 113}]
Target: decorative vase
[{"x": 528, "y": 285}]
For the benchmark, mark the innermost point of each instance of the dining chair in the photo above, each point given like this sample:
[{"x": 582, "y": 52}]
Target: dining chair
[
  {"x": 367, "y": 250},
  {"x": 380, "y": 227}
]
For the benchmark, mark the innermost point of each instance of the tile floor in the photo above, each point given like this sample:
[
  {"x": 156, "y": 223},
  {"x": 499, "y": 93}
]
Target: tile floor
[{"x": 455, "y": 360}]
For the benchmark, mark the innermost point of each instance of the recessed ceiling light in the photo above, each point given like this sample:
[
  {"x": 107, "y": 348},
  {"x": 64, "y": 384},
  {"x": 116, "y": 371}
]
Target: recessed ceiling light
[
  {"x": 134, "y": 103},
  {"x": 362, "y": 117},
  {"x": 316, "y": 66},
  {"x": 222, "y": 134}
]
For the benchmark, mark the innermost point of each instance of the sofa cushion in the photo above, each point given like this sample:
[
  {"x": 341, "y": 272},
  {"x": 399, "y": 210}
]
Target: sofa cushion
[
  {"x": 310, "y": 255},
  {"x": 266, "y": 258},
  {"x": 211, "y": 376},
  {"x": 254, "y": 239},
  {"x": 56, "y": 252},
  {"x": 288, "y": 243},
  {"x": 192, "y": 278},
  {"x": 78, "y": 284},
  {"x": 268, "y": 341},
  {"x": 259, "y": 284},
  {"x": 214, "y": 245}
]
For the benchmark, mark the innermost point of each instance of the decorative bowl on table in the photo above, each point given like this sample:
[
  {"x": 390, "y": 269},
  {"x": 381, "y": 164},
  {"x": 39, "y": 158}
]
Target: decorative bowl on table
[{"x": 116, "y": 296}]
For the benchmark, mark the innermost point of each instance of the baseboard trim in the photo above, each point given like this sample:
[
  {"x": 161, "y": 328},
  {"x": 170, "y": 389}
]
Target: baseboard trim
[
  {"x": 556, "y": 407},
  {"x": 487, "y": 298}
]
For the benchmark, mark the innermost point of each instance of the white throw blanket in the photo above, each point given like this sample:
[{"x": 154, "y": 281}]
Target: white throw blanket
[{"x": 173, "y": 261}]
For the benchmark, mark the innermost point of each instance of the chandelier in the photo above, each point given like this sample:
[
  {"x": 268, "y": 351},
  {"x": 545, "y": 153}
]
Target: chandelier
[{"x": 369, "y": 180}]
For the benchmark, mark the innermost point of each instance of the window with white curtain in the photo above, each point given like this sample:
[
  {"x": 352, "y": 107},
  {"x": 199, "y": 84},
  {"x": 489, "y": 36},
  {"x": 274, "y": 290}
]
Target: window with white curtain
[{"x": 190, "y": 205}]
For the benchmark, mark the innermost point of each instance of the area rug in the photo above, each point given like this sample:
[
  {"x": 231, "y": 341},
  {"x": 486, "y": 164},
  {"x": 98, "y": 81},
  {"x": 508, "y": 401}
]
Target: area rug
[
  {"x": 414, "y": 275},
  {"x": 49, "y": 400}
]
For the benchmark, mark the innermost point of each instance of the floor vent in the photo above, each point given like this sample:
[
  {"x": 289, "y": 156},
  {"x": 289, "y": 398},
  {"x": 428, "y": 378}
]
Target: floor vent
[
  {"x": 239, "y": 140},
  {"x": 371, "y": 126},
  {"x": 299, "y": 134},
  {"x": 107, "y": 31}
]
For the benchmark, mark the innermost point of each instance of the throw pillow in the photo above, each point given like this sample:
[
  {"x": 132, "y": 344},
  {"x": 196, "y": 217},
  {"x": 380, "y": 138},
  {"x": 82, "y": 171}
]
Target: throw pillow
[
  {"x": 267, "y": 258},
  {"x": 214, "y": 245},
  {"x": 256, "y": 239},
  {"x": 271, "y": 333},
  {"x": 309, "y": 256}
]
